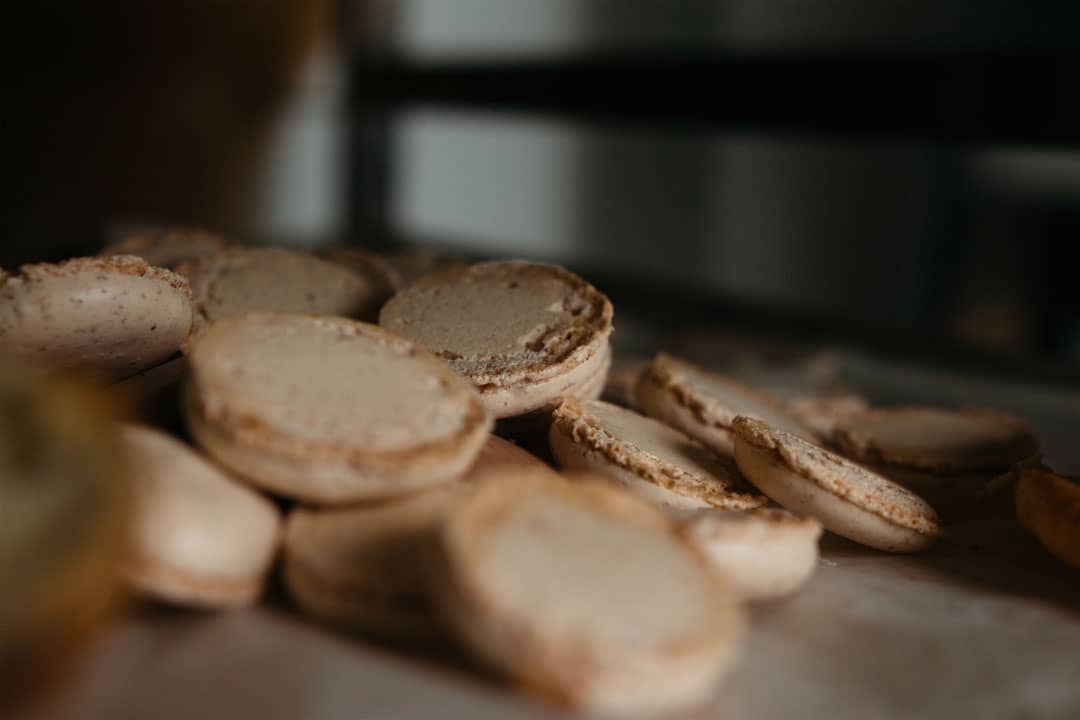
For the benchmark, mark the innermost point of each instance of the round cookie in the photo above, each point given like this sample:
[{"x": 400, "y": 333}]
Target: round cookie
[
  {"x": 63, "y": 514},
  {"x": 936, "y": 440},
  {"x": 238, "y": 281},
  {"x": 328, "y": 410},
  {"x": 164, "y": 247},
  {"x": 848, "y": 499},
  {"x": 646, "y": 456},
  {"x": 585, "y": 595},
  {"x": 108, "y": 316},
  {"x": 363, "y": 567},
  {"x": 764, "y": 552},
  {"x": 1048, "y": 506},
  {"x": 704, "y": 404},
  {"x": 199, "y": 538},
  {"x": 527, "y": 335}
]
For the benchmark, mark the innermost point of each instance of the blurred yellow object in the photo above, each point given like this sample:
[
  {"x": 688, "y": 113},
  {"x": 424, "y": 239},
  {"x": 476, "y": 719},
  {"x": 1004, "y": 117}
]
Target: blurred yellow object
[
  {"x": 63, "y": 525},
  {"x": 1048, "y": 505}
]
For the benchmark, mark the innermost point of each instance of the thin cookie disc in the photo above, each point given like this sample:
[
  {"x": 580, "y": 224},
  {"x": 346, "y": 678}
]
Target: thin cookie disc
[
  {"x": 704, "y": 404},
  {"x": 329, "y": 410},
  {"x": 109, "y": 316},
  {"x": 847, "y": 498},
  {"x": 585, "y": 594},
  {"x": 936, "y": 440},
  {"x": 526, "y": 335},
  {"x": 646, "y": 456}
]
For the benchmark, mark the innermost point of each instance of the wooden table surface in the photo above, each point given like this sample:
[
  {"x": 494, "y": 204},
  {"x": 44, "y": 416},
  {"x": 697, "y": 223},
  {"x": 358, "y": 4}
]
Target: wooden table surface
[{"x": 986, "y": 625}]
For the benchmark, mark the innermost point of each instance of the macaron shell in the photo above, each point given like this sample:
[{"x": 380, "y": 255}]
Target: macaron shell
[
  {"x": 199, "y": 538},
  {"x": 239, "y": 281},
  {"x": 704, "y": 404},
  {"x": 660, "y": 647},
  {"x": 935, "y": 439},
  {"x": 765, "y": 553},
  {"x": 328, "y": 410},
  {"x": 646, "y": 456},
  {"x": 525, "y": 334},
  {"x": 849, "y": 500},
  {"x": 112, "y": 316}
]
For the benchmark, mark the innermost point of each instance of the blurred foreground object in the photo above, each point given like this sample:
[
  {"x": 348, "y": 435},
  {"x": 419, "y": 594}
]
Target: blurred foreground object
[
  {"x": 1048, "y": 506},
  {"x": 63, "y": 509}
]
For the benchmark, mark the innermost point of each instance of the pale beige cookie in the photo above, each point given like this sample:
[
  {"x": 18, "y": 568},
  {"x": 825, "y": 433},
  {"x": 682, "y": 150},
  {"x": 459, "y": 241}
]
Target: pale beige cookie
[
  {"x": 499, "y": 454},
  {"x": 646, "y": 456},
  {"x": 363, "y": 567},
  {"x": 166, "y": 247},
  {"x": 936, "y": 440},
  {"x": 764, "y": 552},
  {"x": 584, "y": 594},
  {"x": 848, "y": 499},
  {"x": 63, "y": 514},
  {"x": 238, "y": 281},
  {"x": 199, "y": 539},
  {"x": 329, "y": 410},
  {"x": 527, "y": 335},
  {"x": 108, "y": 316},
  {"x": 704, "y": 404}
]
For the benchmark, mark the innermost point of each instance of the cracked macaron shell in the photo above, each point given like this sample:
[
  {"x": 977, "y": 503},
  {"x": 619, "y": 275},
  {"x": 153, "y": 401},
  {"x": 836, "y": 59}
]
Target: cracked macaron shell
[
  {"x": 506, "y": 324},
  {"x": 607, "y": 439}
]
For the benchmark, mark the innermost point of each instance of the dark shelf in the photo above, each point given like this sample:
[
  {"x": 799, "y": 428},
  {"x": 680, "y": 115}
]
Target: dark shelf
[{"x": 1027, "y": 100}]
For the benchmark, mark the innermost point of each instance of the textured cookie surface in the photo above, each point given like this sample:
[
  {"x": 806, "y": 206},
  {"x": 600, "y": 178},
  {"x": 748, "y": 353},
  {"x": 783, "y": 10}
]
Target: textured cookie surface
[
  {"x": 843, "y": 478},
  {"x": 709, "y": 400},
  {"x": 935, "y": 439},
  {"x": 113, "y": 316},
  {"x": 650, "y": 450},
  {"x": 507, "y": 324}
]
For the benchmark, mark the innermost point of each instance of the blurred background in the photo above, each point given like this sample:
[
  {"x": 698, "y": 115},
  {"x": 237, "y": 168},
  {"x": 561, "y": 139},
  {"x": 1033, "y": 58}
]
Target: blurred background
[{"x": 899, "y": 174}]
